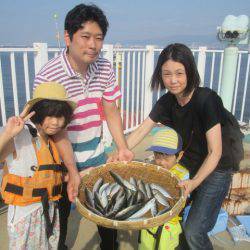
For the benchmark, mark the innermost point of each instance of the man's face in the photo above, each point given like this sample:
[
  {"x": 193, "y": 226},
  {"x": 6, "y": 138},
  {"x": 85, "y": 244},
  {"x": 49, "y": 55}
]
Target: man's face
[{"x": 86, "y": 43}]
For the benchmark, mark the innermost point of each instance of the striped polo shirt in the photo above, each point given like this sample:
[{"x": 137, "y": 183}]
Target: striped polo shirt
[{"x": 86, "y": 126}]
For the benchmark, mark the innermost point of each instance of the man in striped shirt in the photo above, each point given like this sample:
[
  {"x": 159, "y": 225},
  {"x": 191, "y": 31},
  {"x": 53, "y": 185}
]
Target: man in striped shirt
[{"x": 89, "y": 81}]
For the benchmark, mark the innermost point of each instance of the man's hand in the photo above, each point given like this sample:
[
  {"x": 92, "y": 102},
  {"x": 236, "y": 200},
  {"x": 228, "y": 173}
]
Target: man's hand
[
  {"x": 121, "y": 155},
  {"x": 73, "y": 185},
  {"x": 125, "y": 155}
]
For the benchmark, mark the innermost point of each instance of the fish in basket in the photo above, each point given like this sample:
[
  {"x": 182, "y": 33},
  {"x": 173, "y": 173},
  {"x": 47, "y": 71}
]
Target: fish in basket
[{"x": 132, "y": 195}]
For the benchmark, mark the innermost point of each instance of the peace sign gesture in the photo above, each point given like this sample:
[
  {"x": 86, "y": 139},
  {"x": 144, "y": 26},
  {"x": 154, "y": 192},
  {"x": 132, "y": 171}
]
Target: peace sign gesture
[{"x": 16, "y": 123}]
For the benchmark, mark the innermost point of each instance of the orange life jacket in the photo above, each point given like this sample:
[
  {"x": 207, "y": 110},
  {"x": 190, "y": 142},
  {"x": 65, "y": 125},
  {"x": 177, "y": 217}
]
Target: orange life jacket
[{"x": 46, "y": 181}]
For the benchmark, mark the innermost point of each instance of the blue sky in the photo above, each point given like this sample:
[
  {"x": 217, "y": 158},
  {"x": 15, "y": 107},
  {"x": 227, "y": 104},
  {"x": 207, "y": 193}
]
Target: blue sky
[{"x": 132, "y": 22}]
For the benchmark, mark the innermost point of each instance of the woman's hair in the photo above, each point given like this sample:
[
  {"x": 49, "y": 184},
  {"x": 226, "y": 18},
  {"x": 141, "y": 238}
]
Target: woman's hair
[
  {"x": 54, "y": 108},
  {"x": 81, "y": 14},
  {"x": 177, "y": 52}
]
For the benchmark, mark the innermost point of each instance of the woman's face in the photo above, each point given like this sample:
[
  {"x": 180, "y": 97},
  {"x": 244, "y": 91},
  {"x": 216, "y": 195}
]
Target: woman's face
[{"x": 174, "y": 77}]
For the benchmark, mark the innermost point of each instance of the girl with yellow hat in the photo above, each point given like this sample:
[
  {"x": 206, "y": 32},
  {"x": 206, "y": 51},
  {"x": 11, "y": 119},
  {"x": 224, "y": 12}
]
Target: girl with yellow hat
[{"x": 32, "y": 178}]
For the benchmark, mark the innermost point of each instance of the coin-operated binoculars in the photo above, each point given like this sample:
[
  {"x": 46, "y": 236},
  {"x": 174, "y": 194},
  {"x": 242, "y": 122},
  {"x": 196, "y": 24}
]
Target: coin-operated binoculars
[{"x": 233, "y": 32}]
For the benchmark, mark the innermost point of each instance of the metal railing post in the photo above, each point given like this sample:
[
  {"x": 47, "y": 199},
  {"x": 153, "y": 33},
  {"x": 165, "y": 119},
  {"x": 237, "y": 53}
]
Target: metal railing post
[
  {"x": 229, "y": 70},
  {"x": 201, "y": 64},
  {"x": 149, "y": 69},
  {"x": 41, "y": 55},
  {"x": 2, "y": 98},
  {"x": 108, "y": 53}
]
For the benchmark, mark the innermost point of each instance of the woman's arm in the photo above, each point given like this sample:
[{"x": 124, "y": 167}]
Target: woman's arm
[
  {"x": 214, "y": 144},
  {"x": 137, "y": 135}
]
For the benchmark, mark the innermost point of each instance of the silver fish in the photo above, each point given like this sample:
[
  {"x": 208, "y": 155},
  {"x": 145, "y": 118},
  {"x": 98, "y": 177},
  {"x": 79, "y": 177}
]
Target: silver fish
[
  {"x": 154, "y": 209},
  {"x": 119, "y": 204},
  {"x": 104, "y": 199},
  {"x": 161, "y": 198},
  {"x": 132, "y": 181},
  {"x": 92, "y": 209},
  {"x": 103, "y": 187},
  {"x": 127, "y": 212},
  {"x": 149, "y": 191},
  {"x": 160, "y": 189},
  {"x": 89, "y": 197},
  {"x": 98, "y": 201},
  {"x": 141, "y": 186},
  {"x": 109, "y": 188},
  {"x": 140, "y": 196},
  {"x": 114, "y": 189},
  {"x": 124, "y": 183},
  {"x": 134, "y": 199},
  {"x": 130, "y": 200},
  {"x": 144, "y": 209},
  {"x": 97, "y": 185},
  {"x": 128, "y": 193}
]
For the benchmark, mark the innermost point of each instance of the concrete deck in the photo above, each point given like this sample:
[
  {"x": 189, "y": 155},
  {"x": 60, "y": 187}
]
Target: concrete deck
[{"x": 83, "y": 235}]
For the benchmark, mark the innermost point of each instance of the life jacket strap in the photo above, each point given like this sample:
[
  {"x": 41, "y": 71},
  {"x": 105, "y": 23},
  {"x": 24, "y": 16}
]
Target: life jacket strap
[
  {"x": 36, "y": 192},
  {"x": 49, "y": 225},
  {"x": 157, "y": 236},
  {"x": 54, "y": 167}
]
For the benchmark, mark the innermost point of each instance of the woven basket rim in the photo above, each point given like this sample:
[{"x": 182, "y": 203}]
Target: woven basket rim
[{"x": 132, "y": 225}]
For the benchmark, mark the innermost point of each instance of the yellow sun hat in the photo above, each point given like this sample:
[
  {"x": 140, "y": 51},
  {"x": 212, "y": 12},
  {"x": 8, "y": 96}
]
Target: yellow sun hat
[{"x": 50, "y": 91}]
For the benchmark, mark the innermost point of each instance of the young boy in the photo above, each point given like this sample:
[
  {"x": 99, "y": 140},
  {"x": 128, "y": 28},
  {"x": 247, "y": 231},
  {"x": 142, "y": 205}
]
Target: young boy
[
  {"x": 32, "y": 180},
  {"x": 167, "y": 148}
]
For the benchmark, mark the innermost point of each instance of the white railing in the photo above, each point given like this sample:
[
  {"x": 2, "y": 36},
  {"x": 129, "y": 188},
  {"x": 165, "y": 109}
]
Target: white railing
[{"x": 133, "y": 67}]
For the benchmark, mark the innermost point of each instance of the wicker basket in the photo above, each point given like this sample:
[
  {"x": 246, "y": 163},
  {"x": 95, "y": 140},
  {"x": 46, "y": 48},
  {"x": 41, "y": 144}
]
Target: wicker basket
[{"x": 148, "y": 173}]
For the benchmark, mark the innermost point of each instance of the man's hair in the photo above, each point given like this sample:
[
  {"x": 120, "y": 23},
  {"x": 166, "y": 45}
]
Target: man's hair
[
  {"x": 81, "y": 14},
  {"x": 178, "y": 53},
  {"x": 54, "y": 108}
]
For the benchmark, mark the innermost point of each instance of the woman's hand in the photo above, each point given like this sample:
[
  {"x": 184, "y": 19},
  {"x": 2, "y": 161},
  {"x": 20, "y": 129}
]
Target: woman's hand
[
  {"x": 189, "y": 186},
  {"x": 15, "y": 124}
]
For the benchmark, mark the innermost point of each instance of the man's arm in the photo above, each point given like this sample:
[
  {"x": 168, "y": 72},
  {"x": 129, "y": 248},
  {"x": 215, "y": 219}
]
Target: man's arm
[
  {"x": 65, "y": 150},
  {"x": 114, "y": 122}
]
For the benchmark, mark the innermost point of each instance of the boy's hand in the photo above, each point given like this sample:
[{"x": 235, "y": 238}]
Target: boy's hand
[{"x": 16, "y": 123}]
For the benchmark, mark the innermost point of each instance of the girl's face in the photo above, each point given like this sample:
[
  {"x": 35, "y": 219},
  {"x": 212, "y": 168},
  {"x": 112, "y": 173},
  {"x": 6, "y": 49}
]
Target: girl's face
[
  {"x": 52, "y": 125},
  {"x": 174, "y": 77}
]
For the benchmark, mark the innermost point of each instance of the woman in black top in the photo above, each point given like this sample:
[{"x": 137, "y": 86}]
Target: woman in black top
[{"x": 200, "y": 129}]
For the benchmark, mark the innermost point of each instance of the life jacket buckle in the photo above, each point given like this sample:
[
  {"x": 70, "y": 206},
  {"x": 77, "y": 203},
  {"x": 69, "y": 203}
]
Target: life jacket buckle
[{"x": 34, "y": 168}]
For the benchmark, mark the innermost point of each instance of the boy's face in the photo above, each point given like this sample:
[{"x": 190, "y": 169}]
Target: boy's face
[
  {"x": 52, "y": 125},
  {"x": 86, "y": 43},
  {"x": 164, "y": 160}
]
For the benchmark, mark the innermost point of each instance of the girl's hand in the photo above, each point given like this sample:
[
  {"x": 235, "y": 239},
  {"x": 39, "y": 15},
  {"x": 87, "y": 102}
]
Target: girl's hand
[{"x": 16, "y": 123}]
